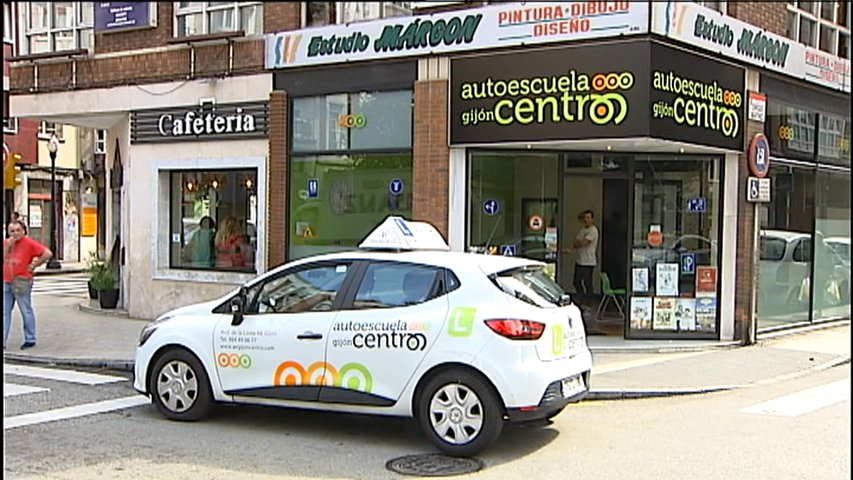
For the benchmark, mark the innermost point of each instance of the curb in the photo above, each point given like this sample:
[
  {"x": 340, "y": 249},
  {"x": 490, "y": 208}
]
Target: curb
[
  {"x": 120, "y": 365},
  {"x": 629, "y": 394},
  {"x": 667, "y": 349},
  {"x": 44, "y": 272},
  {"x": 104, "y": 312}
]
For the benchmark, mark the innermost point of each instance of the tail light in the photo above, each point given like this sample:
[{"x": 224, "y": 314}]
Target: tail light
[{"x": 517, "y": 329}]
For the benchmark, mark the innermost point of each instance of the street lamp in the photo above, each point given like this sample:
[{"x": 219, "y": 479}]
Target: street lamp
[{"x": 52, "y": 147}]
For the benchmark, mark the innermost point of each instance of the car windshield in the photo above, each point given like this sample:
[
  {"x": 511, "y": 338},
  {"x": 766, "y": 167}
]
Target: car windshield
[{"x": 532, "y": 285}]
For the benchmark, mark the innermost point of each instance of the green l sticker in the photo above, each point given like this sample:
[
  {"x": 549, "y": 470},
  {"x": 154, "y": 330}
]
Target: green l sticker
[
  {"x": 557, "y": 344},
  {"x": 461, "y": 322}
]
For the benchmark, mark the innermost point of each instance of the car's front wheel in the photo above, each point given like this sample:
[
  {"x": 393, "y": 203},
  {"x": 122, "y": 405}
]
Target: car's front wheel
[
  {"x": 179, "y": 386},
  {"x": 460, "y": 413}
]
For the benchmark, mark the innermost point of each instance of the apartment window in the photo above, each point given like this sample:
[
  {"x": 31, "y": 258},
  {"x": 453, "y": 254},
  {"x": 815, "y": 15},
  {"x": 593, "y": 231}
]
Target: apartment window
[
  {"x": 363, "y": 11},
  {"x": 8, "y": 33},
  {"x": 10, "y": 125},
  {"x": 319, "y": 13},
  {"x": 824, "y": 25},
  {"x": 46, "y": 129},
  {"x": 57, "y": 26},
  {"x": 199, "y": 18},
  {"x": 100, "y": 141}
]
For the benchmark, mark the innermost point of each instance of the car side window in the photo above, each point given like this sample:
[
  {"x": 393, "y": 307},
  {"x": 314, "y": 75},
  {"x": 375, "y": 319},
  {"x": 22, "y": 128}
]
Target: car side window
[
  {"x": 304, "y": 290},
  {"x": 388, "y": 285},
  {"x": 772, "y": 249},
  {"x": 803, "y": 251}
]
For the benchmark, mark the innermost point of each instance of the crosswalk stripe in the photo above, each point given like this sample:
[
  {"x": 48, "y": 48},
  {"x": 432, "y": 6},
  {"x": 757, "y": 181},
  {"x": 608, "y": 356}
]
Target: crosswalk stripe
[
  {"x": 805, "y": 401},
  {"x": 72, "y": 376},
  {"x": 74, "y": 412},
  {"x": 12, "y": 389}
]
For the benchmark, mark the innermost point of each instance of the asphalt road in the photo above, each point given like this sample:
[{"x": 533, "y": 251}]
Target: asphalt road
[{"x": 724, "y": 435}]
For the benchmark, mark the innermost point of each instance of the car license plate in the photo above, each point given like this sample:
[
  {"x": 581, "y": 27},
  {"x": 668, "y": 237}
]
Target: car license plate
[{"x": 572, "y": 386}]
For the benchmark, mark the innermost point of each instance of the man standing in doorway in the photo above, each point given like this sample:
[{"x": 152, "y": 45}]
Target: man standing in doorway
[{"x": 585, "y": 245}]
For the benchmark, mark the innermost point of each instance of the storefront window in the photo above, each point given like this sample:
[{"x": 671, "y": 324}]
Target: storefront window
[
  {"x": 785, "y": 247},
  {"x": 358, "y": 121},
  {"x": 213, "y": 218},
  {"x": 674, "y": 279},
  {"x": 336, "y": 200},
  {"x": 513, "y": 205},
  {"x": 351, "y": 166},
  {"x": 791, "y": 131}
]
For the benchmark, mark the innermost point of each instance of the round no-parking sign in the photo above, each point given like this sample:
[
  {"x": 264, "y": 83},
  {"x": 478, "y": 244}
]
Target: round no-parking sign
[{"x": 758, "y": 156}]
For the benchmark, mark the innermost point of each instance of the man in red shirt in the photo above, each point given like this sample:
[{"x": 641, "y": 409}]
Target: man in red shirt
[{"x": 21, "y": 256}]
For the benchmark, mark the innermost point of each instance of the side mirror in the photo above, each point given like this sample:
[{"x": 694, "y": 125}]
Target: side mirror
[
  {"x": 237, "y": 305},
  {"x": 565, "y": 300}
]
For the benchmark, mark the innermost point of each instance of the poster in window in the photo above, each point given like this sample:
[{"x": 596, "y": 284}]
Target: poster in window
[
  {"x": 666, "y": 280},
  {"x": 35, "y": 216},
  {"x": 664, "y": 314},
  {"x": 685, "y": 313},
  {"x": 706, "y": 281},
  {"x": 640, "y": 279},
  {"x": 706, "y": 314},
  {"x": 641, "y": 313}
]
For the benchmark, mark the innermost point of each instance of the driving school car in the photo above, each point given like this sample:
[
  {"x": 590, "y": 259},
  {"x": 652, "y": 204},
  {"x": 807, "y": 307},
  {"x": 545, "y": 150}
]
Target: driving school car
[{"x": 462, "y": 342}]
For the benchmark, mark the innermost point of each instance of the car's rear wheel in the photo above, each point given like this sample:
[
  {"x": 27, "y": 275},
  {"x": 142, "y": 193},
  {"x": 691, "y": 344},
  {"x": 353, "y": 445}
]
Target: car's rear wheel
[
  {"x": 460, "y": 413},
  {"x": 179, "y": 386}
]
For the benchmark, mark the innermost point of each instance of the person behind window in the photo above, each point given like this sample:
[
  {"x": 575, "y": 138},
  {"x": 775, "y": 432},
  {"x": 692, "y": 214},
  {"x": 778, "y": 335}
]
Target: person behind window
[
  {"x": 232, "y": 246},
  {"x": 200, "y": 252},
  {"x": 585, "y": 245}
]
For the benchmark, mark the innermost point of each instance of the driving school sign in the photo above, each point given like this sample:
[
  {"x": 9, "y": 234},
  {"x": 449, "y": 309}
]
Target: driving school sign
[
  {"x": 619, "y": 89},
  {"x": 495, "y": 26}
]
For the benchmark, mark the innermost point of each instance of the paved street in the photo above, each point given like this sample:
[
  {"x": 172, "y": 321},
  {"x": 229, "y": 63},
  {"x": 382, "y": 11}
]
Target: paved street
[{"x": 795, "y": 428}]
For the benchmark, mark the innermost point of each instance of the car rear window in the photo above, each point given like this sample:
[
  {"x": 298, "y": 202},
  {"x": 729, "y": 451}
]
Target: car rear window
[{"x": 532, "y": 285}]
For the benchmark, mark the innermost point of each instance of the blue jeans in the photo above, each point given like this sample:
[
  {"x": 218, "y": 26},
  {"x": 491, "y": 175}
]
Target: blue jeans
[{"x": 25, "y": 304}]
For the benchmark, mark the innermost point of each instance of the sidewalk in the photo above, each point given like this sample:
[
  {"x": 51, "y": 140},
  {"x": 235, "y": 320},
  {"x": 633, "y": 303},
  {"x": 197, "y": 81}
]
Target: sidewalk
[{"x": 76, "y": 334}]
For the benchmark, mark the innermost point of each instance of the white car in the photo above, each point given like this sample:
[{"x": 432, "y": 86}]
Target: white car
[
  {"x": 463, "y": 342},
  {"x": 786, "y": 270}
]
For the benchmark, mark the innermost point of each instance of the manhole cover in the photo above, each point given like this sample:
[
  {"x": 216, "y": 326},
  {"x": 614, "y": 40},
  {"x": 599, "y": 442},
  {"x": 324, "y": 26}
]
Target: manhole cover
[{"x": 433, "y": 465}]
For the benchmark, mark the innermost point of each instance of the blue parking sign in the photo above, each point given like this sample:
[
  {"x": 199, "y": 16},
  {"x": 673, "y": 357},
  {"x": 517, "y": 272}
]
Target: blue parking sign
[
  {"x": 688, "y": 263},
  {"x": 313, "y": 188}
]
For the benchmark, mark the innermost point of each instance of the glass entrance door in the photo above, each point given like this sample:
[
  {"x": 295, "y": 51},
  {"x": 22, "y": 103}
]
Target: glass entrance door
[{"x": 594, "y": 254}]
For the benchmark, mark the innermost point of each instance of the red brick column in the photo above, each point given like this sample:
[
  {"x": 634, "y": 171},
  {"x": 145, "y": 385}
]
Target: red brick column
[
  {"x": 277, "y": 230},
  {"x": 431, "y": 162}
]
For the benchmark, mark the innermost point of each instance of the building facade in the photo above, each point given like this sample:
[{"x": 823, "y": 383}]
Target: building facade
[
  {"x": 56, "y": 199},
  {"x": 295, "y": 128}
]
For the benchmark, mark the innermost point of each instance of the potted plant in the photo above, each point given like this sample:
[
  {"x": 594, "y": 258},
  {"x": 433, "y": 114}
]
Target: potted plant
[
  {"x": 104, "y": 280},
  {"x": 93, "y": 264}
]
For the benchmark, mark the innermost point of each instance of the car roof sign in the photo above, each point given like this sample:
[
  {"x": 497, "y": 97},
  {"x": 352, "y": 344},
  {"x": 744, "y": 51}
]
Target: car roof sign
[{"x": 397, "y": 233}]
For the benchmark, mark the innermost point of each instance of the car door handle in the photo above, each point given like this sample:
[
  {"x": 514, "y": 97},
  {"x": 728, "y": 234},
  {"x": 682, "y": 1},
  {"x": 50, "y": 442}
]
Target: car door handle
[{"x": 309, "y": 336}]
